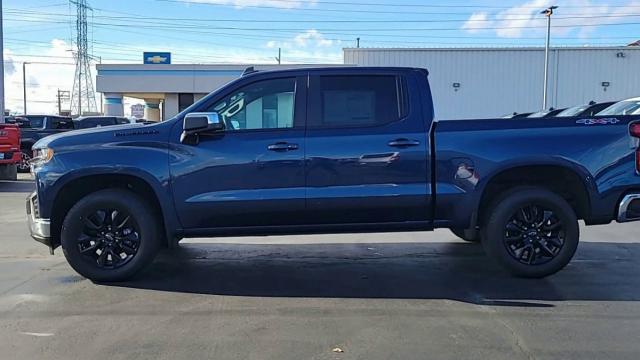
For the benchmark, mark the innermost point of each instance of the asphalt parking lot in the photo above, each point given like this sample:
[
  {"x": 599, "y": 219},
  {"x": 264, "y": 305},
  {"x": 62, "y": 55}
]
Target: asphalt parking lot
[{"x": 373, "y": 296}]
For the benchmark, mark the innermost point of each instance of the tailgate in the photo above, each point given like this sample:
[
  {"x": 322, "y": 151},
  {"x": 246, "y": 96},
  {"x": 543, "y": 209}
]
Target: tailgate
[{"x": 9, "y": 137}]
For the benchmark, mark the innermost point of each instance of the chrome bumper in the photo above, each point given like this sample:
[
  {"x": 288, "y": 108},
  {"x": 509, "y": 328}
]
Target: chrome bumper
[
  {"x": 623, "y": 209},
  {"x": 40, "y": 228}
]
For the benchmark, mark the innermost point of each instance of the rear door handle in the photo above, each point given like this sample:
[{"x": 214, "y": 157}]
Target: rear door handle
[
  {"x": 403, "y": 143},
  {"x": 282, "y": 146}
]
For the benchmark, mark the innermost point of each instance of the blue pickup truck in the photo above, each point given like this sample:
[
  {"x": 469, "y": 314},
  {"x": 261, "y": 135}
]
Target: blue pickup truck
[{"x": 331, "y": 150}]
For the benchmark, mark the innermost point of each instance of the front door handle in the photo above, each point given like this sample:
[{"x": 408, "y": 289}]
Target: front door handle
[
  {"x": 403, "y": 143},
  {"x": 282, "y": 146}
]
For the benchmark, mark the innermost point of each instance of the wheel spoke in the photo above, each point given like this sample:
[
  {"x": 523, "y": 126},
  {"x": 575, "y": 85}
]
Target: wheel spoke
[
  {"x": 102, "y": 258},
  {"x": 544, "y": 249},
  {"x": 552, "y": 226},
  {"x": 121, "y": 224},
  {"x": 545, "y": 218},
  {"x": 555, "y": 241},
  {"x": 88, "y": 222},
  {"x": 515, "y": 227},
  {"x": 127, "y": 249}
]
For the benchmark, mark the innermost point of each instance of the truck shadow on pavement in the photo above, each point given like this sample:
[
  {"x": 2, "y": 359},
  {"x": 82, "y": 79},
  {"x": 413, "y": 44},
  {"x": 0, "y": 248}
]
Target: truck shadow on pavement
[{"x": 455, "y": 271}]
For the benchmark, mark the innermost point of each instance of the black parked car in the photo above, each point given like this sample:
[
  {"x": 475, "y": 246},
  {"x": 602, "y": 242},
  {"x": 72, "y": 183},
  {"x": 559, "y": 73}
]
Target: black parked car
[
  {"x": 98, "y": 121},
  {"x": 516, "y": 115},
  {"x": 589, "y": 109},
  {"x": 546, "y": 113},
  {"x": 34, "y": 128}
]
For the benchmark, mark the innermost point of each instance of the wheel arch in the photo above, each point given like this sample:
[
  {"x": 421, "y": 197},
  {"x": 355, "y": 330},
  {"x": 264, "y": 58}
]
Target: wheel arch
[
  {"x": 565, "y": 179},
  {"x": 76, "y": 186}
]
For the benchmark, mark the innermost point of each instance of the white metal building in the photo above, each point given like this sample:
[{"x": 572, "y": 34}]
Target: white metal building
[{"x": 490, "y": 82}]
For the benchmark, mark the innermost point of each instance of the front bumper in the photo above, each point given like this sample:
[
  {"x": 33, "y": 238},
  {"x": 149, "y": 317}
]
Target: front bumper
[
  {"x": 629, "y": 208},
  {"x": 40, "y": 228}
]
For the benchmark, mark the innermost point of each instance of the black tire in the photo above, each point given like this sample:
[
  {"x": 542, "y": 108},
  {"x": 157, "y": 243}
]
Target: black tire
[
  {"x": 87, "y": 233},
  {"x": 23, "y": 165},
  {"x": 467, "y": 235},
  {"x": 531, "y": 231}
]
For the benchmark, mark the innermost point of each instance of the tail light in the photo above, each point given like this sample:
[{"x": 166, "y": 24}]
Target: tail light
[{"x": 634, "y": 130}]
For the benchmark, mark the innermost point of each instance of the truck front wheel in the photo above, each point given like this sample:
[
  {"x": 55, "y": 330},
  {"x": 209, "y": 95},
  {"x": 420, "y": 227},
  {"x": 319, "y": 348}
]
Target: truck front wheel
[
  {"x": 110, "y": 235},
  {"x": 531, "y": 231}
]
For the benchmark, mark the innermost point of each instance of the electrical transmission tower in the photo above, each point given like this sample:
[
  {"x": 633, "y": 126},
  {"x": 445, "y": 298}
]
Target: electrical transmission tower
[{"x": 83, "y": 97}]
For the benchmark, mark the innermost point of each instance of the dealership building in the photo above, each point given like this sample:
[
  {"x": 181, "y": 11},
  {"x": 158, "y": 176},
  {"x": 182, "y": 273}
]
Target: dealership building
[{"x": 465, "y": 82}]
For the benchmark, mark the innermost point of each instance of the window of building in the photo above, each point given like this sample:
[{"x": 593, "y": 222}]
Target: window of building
[{"x": 184, "y": 101}]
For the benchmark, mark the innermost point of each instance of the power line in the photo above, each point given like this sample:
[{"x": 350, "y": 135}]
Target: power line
[{"x": 397, "y": 4}]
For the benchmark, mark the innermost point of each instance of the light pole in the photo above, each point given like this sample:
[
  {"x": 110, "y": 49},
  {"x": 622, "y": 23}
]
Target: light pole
[
  {"x": 1, "y": 68},
  {"x": 24, "y": 87},
  {"x": 547, "y": 12}
]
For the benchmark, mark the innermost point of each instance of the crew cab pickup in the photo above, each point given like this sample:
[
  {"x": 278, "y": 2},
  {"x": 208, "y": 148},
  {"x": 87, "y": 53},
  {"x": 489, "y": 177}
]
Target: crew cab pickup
[
  {"x": 34, "y": 128},
  {"x": 331, "y": 150},
  {"x": 9, "y": 151}
]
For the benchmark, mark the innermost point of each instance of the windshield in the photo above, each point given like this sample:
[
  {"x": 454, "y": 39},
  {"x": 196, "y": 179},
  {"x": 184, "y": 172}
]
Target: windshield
[
  {"x": 572, "y": 111},
  {"x": 627, "y": 107}
]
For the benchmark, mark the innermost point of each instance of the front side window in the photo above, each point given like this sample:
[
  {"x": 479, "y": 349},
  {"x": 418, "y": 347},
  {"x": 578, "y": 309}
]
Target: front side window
[
  {"x": 351, "y": 101},
  {"x": 267, "y": 104}
]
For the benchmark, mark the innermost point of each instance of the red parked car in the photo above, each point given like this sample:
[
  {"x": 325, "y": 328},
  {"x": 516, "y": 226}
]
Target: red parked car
[{"x": 9, "y": 151}]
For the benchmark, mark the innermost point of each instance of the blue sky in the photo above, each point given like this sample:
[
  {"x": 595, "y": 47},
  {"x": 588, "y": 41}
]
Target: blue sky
[{"x": 251, "y": 31}]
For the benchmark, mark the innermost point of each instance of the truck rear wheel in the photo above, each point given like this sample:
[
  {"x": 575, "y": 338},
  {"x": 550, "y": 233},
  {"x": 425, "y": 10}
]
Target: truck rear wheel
[
  {"x": 110, "y": 235},
  {"x": 532, "y": 232},
  {"x": 467, "y": 235}
]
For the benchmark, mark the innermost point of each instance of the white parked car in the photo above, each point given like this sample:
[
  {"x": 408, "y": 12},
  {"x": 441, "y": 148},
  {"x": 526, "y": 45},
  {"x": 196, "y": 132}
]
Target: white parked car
[{"x": 624, "y": 107}]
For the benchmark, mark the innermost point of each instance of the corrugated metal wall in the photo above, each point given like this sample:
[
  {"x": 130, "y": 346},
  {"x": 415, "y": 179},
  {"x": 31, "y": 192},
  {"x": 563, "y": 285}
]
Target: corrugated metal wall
[{"x": 494, "y": 82}]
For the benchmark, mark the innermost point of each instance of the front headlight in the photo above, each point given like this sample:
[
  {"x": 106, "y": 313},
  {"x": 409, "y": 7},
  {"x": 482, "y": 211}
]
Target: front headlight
[{"x": 41, "y": 157}]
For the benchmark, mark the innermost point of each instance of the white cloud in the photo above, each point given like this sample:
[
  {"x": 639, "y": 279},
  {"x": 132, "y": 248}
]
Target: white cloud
[
  {"x": 43, "y": 78},
  {"x": 284, "y": 4},
  {"x": 309, "y": 39},
  {"x": 477, "y": 21},
  {"x": 310, "y": 46},
  {"x": 526, "y": 18}
]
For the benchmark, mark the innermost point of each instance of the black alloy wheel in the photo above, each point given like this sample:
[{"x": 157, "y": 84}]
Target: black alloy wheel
[
  {"x": 534, "y": 235},
  {"x": 531, "y": 231},
  {"x": 109, "y": 237}
]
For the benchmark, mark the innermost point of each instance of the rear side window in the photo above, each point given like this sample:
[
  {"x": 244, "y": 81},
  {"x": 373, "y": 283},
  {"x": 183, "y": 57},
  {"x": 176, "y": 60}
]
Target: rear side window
[{"x": 358, "y": 101}]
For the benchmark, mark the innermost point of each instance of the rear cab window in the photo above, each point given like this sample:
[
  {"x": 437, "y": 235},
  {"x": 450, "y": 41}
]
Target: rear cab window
[{"x": 347, "y": 101}]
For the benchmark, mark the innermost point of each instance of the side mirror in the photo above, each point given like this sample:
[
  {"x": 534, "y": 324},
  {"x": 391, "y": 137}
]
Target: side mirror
[{"x": 199, "y": 122}]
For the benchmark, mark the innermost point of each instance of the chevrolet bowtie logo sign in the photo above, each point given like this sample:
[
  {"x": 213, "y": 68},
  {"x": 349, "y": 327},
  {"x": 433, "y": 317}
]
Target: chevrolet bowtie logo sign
[{"x": 157, "y": 58}]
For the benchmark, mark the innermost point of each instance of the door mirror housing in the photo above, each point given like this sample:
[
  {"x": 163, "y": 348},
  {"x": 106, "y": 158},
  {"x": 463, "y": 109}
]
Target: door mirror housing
[{"x": 197, "y": 123}]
